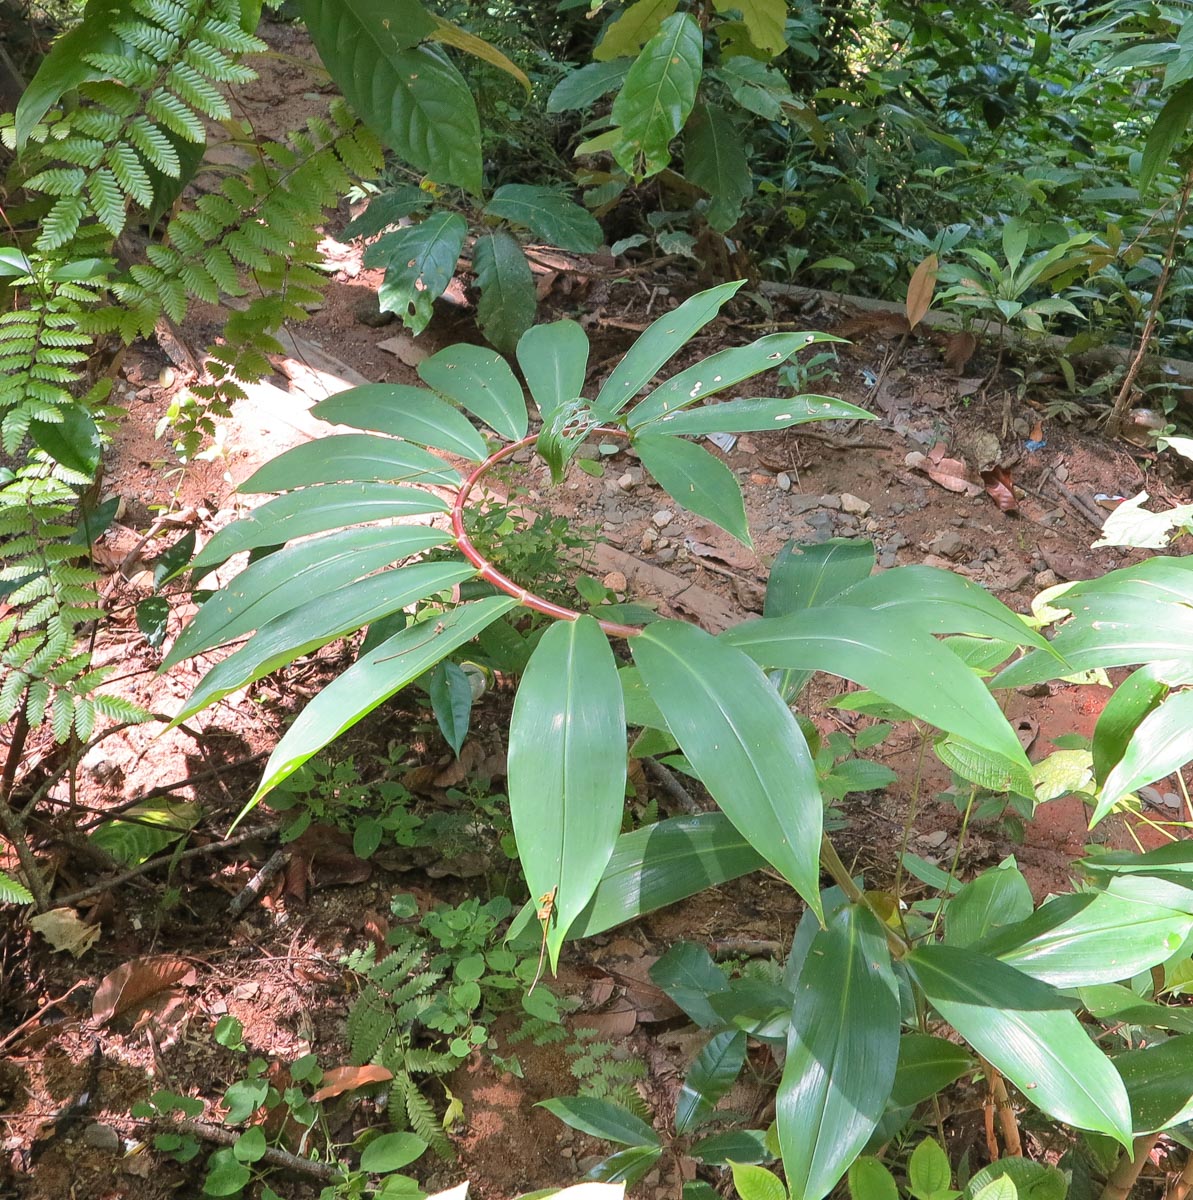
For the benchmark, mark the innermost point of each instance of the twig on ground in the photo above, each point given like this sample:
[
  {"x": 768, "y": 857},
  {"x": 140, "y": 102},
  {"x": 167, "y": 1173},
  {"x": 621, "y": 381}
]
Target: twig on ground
[
  {"x": 9, "y": 1038},
  {"x": 667, "y": 781},
  {"x": 327, "y": 1172},
  {"x": 253, "y": 889}
]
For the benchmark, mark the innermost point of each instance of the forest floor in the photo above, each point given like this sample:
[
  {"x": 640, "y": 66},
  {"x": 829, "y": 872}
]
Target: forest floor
[{"x": 68, "y": 1079}]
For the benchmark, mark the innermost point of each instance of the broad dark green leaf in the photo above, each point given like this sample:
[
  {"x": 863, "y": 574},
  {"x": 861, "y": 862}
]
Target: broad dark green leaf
[
  {"x": 481, "y": 382},
  {"x": 1112, "y": 1002},
  {"x": 1170, "y": 126},
  {"x": 451, "y": 702},
  {"x": 743, "y": 743},
  {"x": 1173, "y": 857},
  {"x": 409, "y": 95},
  {"x": 626, "y": 1166},
  {"x": 174, "y": 559},
  {"x": 688, "y": 974},
  {"x": 585, "y": 86},
  {"x": 153, "y": 616},
  {"x": 657, "y": 96},
  {"x": 697, "y": 480},
  {"x": 508, "y": 300},
  {"x": 998, "y": 897},
  {"x": 391, "y": 1152},
  {"x": 714, "y": 159},
  {"x": 927, "y": 1064},
  {"x": 350, "y": 457},
  {"x": 549, "y": 215},
  {"x": 1022, "y": 1027},
  {"x": 318, "y": 621},
  {"x": 734, "y": 1145},
  {"x": 1032, "y": 1180},
  {"x": 748, "y": 416},
  {"x": 371, "y": 680},
  {"x": 812, "y": 575},
  {"x": 1087, "y": 938},
  {"x": 287, "y": 578},
  {"x": 73, "y": 441},
  {"x": 1159, "y": 1081},
  {"x": 419, "y": 263},
  {"x": 386, "y": 209},
  {"x": 842, "y": 1050},
  {"x": 412, "y": 413},
  {"x": 884, "y": 653},
  {"x": 601, "y": 1119},
  {"x": 658, "y": 344},
  {"x": 1129, "y": 703},
  {"x": 713, "y": 1073},
  {"x": 567, "y": 755},
  {"x": 313, "y": 510},
  {"x": 554, "y": 359},
  {"x": 1162, "y": 743}
]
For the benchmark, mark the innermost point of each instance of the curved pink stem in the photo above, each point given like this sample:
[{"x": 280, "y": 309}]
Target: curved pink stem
[{"x": 490, "y": 573}]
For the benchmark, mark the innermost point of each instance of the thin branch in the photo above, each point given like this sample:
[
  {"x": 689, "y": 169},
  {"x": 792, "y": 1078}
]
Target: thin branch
[
  {"x": 273, "y": 1155},
  {"x": 667, "y": 781}
]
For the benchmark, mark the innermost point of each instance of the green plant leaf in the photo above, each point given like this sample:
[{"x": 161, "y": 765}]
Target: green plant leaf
[
  {"x": 451, "y": 702},
  {"x": 997, "y": 898},
  {"x": 887, "y": 655},
  {"x": 318, "y": 621},
  {"x": 549, "y": 215},
  {"x": 764, "y": 19},
  {"x": 386, "y": 209},
  {"x": 748, "y": 416},
  {"x": 743, "y": 743},
  {"x": 312, "y": 510},
  {"x": 1133, "y": 699},
  {"x": 756, "y": 1183},
  {"x": 657, "y": 96},
  {"x": 225, "y": 1176},
  {"x": 554, "y": 359},
  {"x": 1159, "y": 1081},
  {"x": 409, "y": 95},
  {"x": 73, "y": 441},
  {"x": 153, "y": 616},
  {"x": 842, "y": 1049},
  {"x": 481, "y": 382},
  {"x": 628, "y": 1166},
  {"x": 988, "y": 770},
  {"x": 812, "y": 575},
  {"x": 926, "y": 1065},
  {"x": 929, "y": 1174},
  {"x": 508, "y": 300},
  {"x": 391, "y": 1152},
  {"x": 1022, "y": 1027},
  {"x": 287, "y": 578},
  {"x": 658, "y": 345},
  {"x": 371, "y": 680},
  {"x": 350, "y": 457},
  {"x": 1081, "y": 939},
  {"x": 715, "y": 161},
  {"x": 584, "y": 87},
  {"x": 696, "y": 480},
  {"x": 713, "y": 1073},
  {"x": 149, "y": 828},
  {"x": 870, "y": 1180},
  {"x": 734, "y": 1145},
  {"x": 1162, "y": 743},
  {"x": 687, "y": 973},
  {"x": 601, "y": 1119},
  {"x": 419, "y": 263},
  {"x": 1031, "y": 1180},
  {"x": 469, "y": 43},
  {"x": 411, "y": 413},
  {"x": 1170, "y": 126},
  {"x": 636, "y": 25},
  {"x": 567, "y": 769}
]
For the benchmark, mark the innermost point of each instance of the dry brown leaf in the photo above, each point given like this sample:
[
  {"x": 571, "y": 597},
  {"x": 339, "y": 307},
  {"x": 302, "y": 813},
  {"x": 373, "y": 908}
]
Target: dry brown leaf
[
  {"x": 1000, "y": 489},
  {"x": 66, "y": 931},
  {"x": 950, "y": 473},
  {"x": 920, "y": 289},
  {"x": 613, "y": 1025},
  {"x": 958, "y": 350},
  {"x": 133, "y": 982},
  {"x": 339, "y": 1080}
]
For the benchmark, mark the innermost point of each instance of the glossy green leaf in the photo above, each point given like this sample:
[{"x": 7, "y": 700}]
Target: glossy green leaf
[
  {"x": 1129, "y": 703},
  {"x": 1170, "y": 126},
  {"x": 601, "y": 1119},
  {"x": 411, "y": 413},
  {"x": 73, "y": 441},
  {"x": 567, "y": 753},
  {"x": 318, "y": 621},
  {"x": 391, "y": 1152},
  {"x": 419, "y": 263},
  {"x": 350, "y": 457},
  {"x": 481, "y": 382},
  {"x": 812, "y": 575},
  {"x": 451, "y": 702},
  {"x": 385, "y": 209},
  {"x": 1162, "y": 743},
  {"x": 153, "y": 616},
  {"x": 1087, "y": 938},
  {"x": 926, "y": 1065},
  {"x": 549, "y": 215},
  {"x": 371, "y": 680},
  {"x": 884, "y": 653},
  {"x": 743, "y": 743},
  {"x": 1159, "y": 1081},
  {"x": 718, "y": 372},
  {"x": 1022, "y": 1027},
  {"x": 554, "y": 359},
  {"x": 1031, "y": 1180},
  {"x": 658, "y": 344},
  {"x": 842, "y": 1050},
  {"x": 507, "y": 303},
  {"x": 734, "y": 1145},
  {"x": 988, "y": 770},
  {"x": 870, "y": 1180},
  {"x": 314, "y": 510},
  {"x": 411, "y": 96},
  {"x": 713, "y": 1073},
  {"x": 1112, "y": 1002},
  {"x": 929, "y": 1172},
  {"x": 633, "y": 27},
  {"x": 627, "y": 1166},
  {"x": 688, "y": 974},
  {"x": 580, "y": 88},
  {"x": 755, "y": 1183},
  {"x": 287, "y": 578},
  {"x": 715, "y": 160},
  {"x": 696, "y": 480},
  {"x": 998, "y": 897},
  {"x": 749, "y": 416}
]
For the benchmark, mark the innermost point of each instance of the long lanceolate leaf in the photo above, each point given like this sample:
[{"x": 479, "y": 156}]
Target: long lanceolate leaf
[
  {"x": 713, "y": 1073},
  {"x": 350, "y": 456},
  {"x": 749, "y": 416},
  {"x": 567, "y": 769},
  {"x": 742, "y": 742},
  {"x": 481, "y": 382},
  {"x": 842, "y": 1051},
  {"x": 371, "y": 680},
  {"x": 697, "y": 480},
  {"x": 1162, "y": 743},
  {"x": 554, "y": 359},
  {"x": 1026, "y": 1030}
]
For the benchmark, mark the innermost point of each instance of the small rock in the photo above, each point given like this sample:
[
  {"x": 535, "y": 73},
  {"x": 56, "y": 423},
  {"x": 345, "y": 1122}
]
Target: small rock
[
  {"x": 822, "y": 525},
  {"x": 936, "y": 838},
  {"x": 833, "y": 502},
  {"x": 1047, "y": 578},
  {"x": 649, "y": 537},
  {"x": 803, "y": 504},
  {"x": 887, "y": 559},
  {"x": 615, "y": 581},
  {"x": 1172, "y": 800},
  {"x": 1061, "y": 473},
  {"x": 589, "y": 1162},
  {"x": 368, "y": 312},
  {"x": 102, "y": 1137},
  {"x": 626, "y": 482},
  {"x": 667, "y": 555},
  {"x": 1016, "y": 577},
  {"x": 854, "y": 504},
  {"x": 760, "y": 480},
  {"x": 947, "y": 544},
  {"x": 783, "y": 480},
  {"x": 662, "y": 518},
  {"x": 653, "y": 1179}
]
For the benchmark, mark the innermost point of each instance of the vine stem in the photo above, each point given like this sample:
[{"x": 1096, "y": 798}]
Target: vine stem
[{"x": 1126, "y": 1172}]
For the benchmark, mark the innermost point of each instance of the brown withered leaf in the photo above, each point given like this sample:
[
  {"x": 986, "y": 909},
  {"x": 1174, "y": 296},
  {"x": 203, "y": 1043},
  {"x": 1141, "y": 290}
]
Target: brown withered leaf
[
  {"x": 65, "y": 930},
  {"x": 134, "y": 982},
  {"x": 1000, "y": 489},
  {"x": 959, "y": 348},
  {"x": 951, "y": 473},
  {"x": 920, "y": 289},
  {"x": 339, "y": 1080}
]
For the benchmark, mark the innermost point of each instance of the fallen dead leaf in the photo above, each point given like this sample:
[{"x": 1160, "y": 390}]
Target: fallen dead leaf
[
  {"x": 951, "y": 473},
  {"x": 66, "y": 931},
  {"x": 1000, "y": 489},
  {"x": 133, "y": 982},
  {"x": 959, "y": 348},
  {"x": 339, "y": 1080}
]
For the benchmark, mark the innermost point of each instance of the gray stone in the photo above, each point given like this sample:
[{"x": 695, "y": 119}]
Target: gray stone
[
  {"x": 662, "y": 518},
  {"x": 947, "y": 544},
  {"x": 666, "y": 555},
  {"x": 102, "y": 1137},
  {"x": 784, "y": 481},
  {"x": 833, "y": 502},
  {"x": 803, "y": 504},
  {"x": 854, "y": 504}
]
